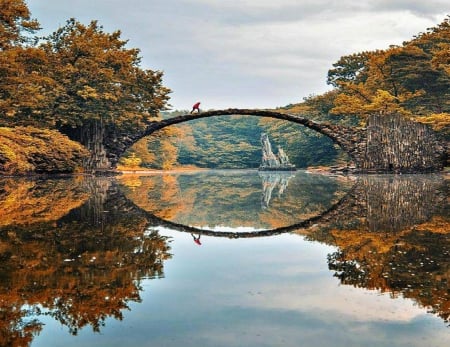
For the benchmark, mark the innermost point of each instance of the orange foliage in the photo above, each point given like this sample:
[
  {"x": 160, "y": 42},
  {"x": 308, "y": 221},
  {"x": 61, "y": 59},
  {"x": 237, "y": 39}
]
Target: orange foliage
[
  {"x": 30, "y": 150},
  {"x": 28, "y": 201},
  {"x": 78, "y": 271}
]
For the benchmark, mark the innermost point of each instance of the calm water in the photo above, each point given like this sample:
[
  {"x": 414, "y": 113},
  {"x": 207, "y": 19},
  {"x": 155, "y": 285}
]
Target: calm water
[{"x": 225, "y": 258}]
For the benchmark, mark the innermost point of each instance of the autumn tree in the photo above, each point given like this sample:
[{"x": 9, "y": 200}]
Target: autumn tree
[
  {"x": 100, "y": 85},
  {"x": 15, "y": 22},
  {"x": 80, "y": 80},
  {"x": 24, "y": 83},
  {"x": 160, "y": 151},
  {"x": 411, "y": 79}
]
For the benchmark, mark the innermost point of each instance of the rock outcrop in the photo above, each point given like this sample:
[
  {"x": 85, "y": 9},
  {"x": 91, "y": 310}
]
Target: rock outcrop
[{"x": 271, "y": 161}]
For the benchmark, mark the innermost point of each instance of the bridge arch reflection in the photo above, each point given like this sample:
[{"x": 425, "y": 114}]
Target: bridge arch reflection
[
  {"x": 160, "y": 222},
  {"x": 228, "y": 202}
]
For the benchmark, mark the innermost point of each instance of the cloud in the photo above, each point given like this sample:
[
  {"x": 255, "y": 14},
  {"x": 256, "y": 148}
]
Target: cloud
[
  {"x": 431, "y": 9},
  {"x": 248, "y": 53}
]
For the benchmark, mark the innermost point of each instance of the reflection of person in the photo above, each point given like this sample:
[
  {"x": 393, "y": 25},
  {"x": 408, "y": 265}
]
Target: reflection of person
[
  {"x": 197, "y": 239},
  {"x": 196, "y": 107}
]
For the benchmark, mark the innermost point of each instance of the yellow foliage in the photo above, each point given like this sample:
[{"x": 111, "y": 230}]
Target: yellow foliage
[
  {"x": 132, "y": 161},
  {"x": 348, "y": 105},
  {"x": 439, "y": 121},
  {"x": 384, "y": 102},
  {"x": 25, "y": 150},
  {"x": 88, "y": 92},
  {"x": 169, "y": 154},
  {"x": 441, "y": 59},
  {"x": 27, "y": 202}
]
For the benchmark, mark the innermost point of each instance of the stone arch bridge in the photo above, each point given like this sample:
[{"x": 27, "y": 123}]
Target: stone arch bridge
[{"x": 387, "y": 144}]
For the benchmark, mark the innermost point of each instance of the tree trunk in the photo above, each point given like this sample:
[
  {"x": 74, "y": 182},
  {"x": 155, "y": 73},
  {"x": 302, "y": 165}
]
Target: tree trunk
[{"x": 91, "y": 135}]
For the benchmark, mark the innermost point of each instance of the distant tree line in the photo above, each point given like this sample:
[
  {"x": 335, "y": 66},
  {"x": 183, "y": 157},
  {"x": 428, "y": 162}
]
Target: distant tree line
[{"x": 231, "y": 142}]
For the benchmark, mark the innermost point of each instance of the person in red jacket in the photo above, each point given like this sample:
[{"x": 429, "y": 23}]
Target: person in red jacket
[
  {"x": 197, "y": 239},
  {"x": 196, "y": 107}
]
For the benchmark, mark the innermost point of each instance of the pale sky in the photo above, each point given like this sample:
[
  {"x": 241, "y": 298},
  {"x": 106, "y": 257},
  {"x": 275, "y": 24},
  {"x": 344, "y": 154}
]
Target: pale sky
[{"x": 247, "y": 53}]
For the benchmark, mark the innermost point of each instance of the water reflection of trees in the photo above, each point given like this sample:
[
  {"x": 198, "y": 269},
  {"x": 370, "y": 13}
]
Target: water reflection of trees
[
  {"x": 234, "y": 199},
  {"x": 79, "y": 266},
  {"x": 394, "y": 236},
  {"x": 76, "y": 249},
  {"x": 24, "y": 201}
]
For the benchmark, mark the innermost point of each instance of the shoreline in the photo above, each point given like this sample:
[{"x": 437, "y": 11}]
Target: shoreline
[
  {"x": 156, "y": 171},
  {"x": 123, "y": 172}
]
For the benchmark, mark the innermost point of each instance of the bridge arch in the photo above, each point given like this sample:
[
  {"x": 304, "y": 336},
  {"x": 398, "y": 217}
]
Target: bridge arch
[
  {"x": 342, "y": 136},
  {"x": 389, "y": 143},
  {"x": 321, "y": 128}
]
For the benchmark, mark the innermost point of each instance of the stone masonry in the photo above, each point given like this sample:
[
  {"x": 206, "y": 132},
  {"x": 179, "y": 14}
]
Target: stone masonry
[{"x": 388, "y": 144}]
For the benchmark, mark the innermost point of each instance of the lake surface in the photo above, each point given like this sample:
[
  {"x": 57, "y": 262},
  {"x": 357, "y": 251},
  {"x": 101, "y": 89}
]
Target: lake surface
[{"x": 225, "y": 258}]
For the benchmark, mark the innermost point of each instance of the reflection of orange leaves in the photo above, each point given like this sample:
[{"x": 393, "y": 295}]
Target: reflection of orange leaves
[
  {"x": 28, "y": 202},
  {"x": 84, "y": 290},
  {"x": 364, "y": 242},
  {"x": 79, "y": 273},
  {"x": 411, "y": 263},
  {"x": 171, "y": 188},
  {"x": 274, "y": 219},
  {"x": 131, "y": 181},
  {"x": 171, "y": 194},
  {"x": 201, "y": 199}
]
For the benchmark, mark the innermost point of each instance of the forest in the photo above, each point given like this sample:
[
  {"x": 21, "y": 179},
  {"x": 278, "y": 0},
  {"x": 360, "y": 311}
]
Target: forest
[{"x": 70, "y": 87}]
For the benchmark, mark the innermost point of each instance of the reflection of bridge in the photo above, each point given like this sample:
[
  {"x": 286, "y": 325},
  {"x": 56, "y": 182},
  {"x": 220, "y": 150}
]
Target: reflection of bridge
[
  {"x": 154, "y": 220},
  {"x": 380, "y": 203},
  {"x": 387, "y": 144}
]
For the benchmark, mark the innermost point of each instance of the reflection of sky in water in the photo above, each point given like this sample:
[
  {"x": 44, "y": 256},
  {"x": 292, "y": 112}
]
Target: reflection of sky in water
[
  {"x": 273, "y": 291},
  {"x": 225, "y": 228}
]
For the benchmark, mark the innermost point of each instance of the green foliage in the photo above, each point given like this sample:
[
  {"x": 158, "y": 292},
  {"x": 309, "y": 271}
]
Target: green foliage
[
  {"x": 305, "y": 147},
  {"x": 25, "y": 150},
  {"x": 350, "y": 68},
  {"x": 222, "y": 142}
]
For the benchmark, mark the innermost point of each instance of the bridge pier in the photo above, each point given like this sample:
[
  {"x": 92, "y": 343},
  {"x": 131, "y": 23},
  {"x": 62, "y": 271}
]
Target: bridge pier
[{"x": 394, "y": 144}]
